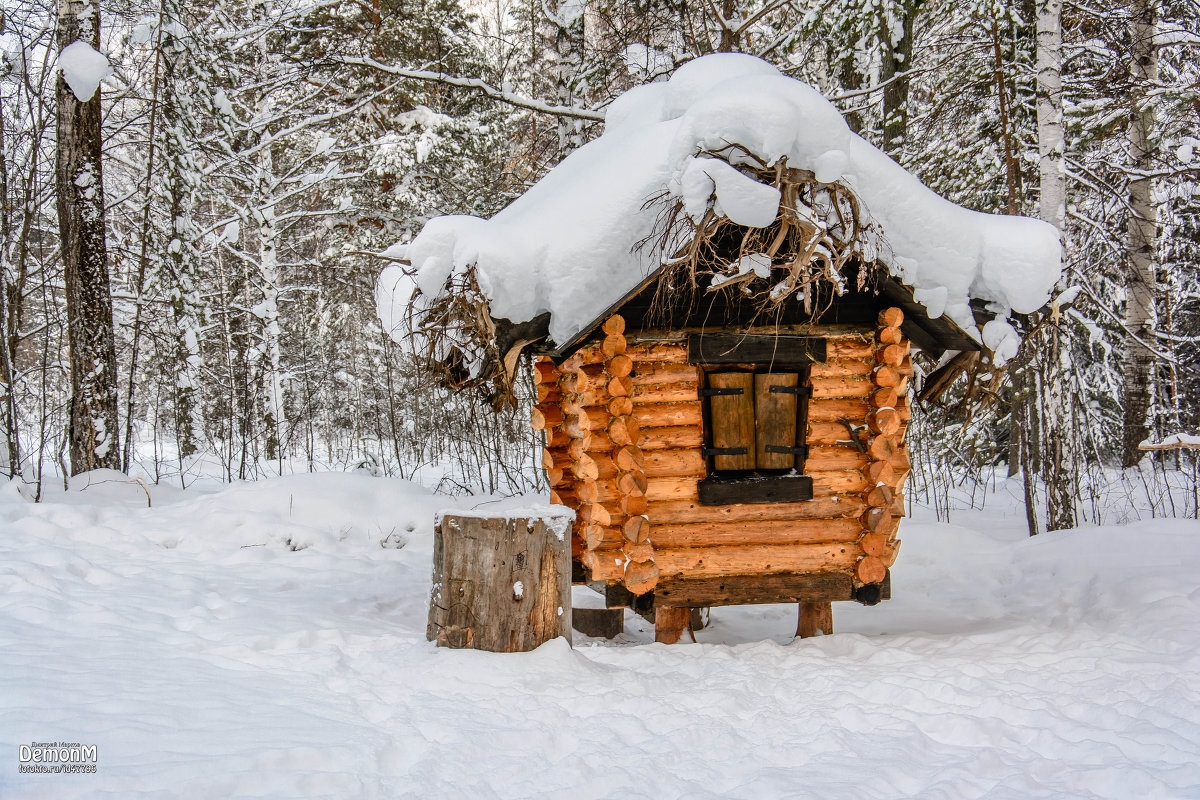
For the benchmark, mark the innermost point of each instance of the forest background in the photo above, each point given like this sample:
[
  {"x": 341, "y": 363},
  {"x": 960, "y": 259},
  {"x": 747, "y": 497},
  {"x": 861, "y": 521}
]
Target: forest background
[{"x": 227, "y": 190}]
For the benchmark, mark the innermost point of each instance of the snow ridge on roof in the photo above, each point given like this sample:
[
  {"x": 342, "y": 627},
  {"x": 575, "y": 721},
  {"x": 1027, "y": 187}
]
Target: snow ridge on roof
[{"x": 570, "y": 244}]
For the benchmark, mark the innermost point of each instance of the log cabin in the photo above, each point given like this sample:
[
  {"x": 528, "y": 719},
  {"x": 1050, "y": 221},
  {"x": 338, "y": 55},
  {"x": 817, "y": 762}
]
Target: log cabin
[{"x": 722, "y": 295}]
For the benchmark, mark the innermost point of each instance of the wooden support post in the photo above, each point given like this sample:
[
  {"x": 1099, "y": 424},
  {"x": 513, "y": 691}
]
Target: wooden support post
[
  {"x": 602, "y": 623},
  {"x": 502, "y": 585},
  {"x": 670, "y": 623},
  {"x": 814, "y": 618}
]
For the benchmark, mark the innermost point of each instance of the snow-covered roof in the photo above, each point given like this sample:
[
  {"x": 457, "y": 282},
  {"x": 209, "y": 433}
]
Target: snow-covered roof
[{"x": 570, "y": 245}]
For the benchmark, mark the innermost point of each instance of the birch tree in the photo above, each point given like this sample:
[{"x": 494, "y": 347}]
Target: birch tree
[{"x": 92, "y": 425}]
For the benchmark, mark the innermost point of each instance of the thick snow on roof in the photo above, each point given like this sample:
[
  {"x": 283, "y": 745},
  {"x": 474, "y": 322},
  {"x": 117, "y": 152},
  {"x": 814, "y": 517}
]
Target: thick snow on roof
[{"x": 570, "y": 244}]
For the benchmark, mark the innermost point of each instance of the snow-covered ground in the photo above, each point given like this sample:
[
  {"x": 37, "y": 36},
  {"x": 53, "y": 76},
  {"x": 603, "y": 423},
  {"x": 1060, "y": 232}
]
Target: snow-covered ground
[{"x": 267, "y": 640}]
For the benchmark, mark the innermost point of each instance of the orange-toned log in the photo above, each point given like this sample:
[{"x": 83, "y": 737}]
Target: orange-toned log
[
  {"x": 870, "y": 570},
  {"x": 555, "y": 476},
  {"x": 897, "y": 506},
  {"x": 557, "y": 437},
  {"x": 620, "y": 406},
  {"x": 642, "y": 351},
  {"x": 892, "y": 355},
  {"x": 889, "y": 558},
  {"x": 605, "y": 565},
  {"x": 834, "y": 410},
  {"x": 848, "y": 386},
  {"x": 886, "y": 375},
  {"x": 592, "y": 397},
  {"x": 674, "y": 436},
  {"x": 884, "y": 398},
  {"x": 638, "y": 551},
  {"x": 652, "y": 372},
  {"x": 688, "y": 511},
  {"x": 841, "y": 368},
  {"x": 594, "y": 466},
  {"x": 641, "y": 576},
  {"x": 633, "y": 505},
  {"x": 879, "y": 472},
  {"x": 614, "y": 324},
  {"x": 815, "y": 618},
  {"x": 596, "y": 491},
  {"x": 830, "y": 484},
  {"x": 564, "y": 496},
  {"x": 632, "y": 484},
  {"x": 683, "y": 462},
  {"x": 821, "y": 459},
  {"x": 854, "y": 346},
  {"x": 890, "y": 318},
  {"x": 624, "y": 430},
  {"x": 619, "y": 366},
  {"x": 545, "y": 371},
  {"x": 900, "y": 464},
  {"x": 629, "y": 458},
  {"x": 555, "y": 457},
  {"x": 593, "y": 418},
  {"x": 830, "y": 433},
  {"x": 772, "y": 532},
  {"x": 661, "y": 415},
  {"x": 548, "y": 393},
  {"x": 877, "y": 520},
  {"x": 613, "y": 345},
  {"x": 885, "y": 421},
  {"x": 889, "y": 336},
  {"x": 595, "y": 513},
  {"x": 901, "y": 406},
  {"x": 906, "y": 368},
  {"x": 875, "y": 544},
  {"x": 636, "y": 529},
  {"x": 880, "y": 496},
  {"x": 620, "y": 387},
  {"x": 882, "y": 448},
  {"x": 680, "y": 391},
  {"x": 743, "y": 559},
  {"x": 600, "y": 537},
  {"x": 547, "y": 416}
]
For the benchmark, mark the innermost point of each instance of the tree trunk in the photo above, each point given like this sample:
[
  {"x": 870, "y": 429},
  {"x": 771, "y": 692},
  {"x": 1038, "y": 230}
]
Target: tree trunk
[
  {"x": 896, "y": 42},
  {"x": 728, "y": 42},
  {"x": 502, "y": 585},
  {"x": 569, "y": 44},
  {"x": 92, "y": 430},
  {"x": 1141, "y": 233}
]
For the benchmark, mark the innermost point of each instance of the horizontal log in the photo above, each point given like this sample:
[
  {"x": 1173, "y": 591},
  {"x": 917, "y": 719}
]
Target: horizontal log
[
  {"x": 879, "y": 472},
  {"x": 636, "y": 529},
  {"x": 772, "y": 532},
  {"x": 687, "y": 511},
  {"x": 633, "y": 505},
  {"x": 555, "y": 457},
  {"x": 880, "y": 497},
  {"x": 629, "y": 458},
  {"x": 602, "y": 537},
  {"x": 638, "y": 551},
  {"x": 883, "y": 448},
  {"x": 545, "y": 371},
  {"x": 597, "y": 491},
  {"x": 624, "y": 430},
  {"x": 831, "y": 434},
  {"x": 885, "y": 397},
  {"x": 620, "y": 406},
  {"x": 833, "y": 484},
  {"x": 546, "y": 416},
  {"x": 661, "y": 415},
  {"x": 833, "y": 410},
  {"x": 870, "y": 569},
  {"x": 556, "y": 476},
  {"x": 679, "y": 462},
  {"x": 592, "y": 418},
  {"x": 886, "y": 375},
  {"x": 823, "y": 459},
  {"x": 594, "y": 466},
  {"x": 596, "y": 513},
  {"x": 618, "y": 366},
  {"x": 885, "y": 421},
  {"x": 900, "y": 464},
  {"x": 605, "y": 565},
  {"x": 614, "y": 325},
  {"x": 889, "y": 557},
  {"x": 641, "y": 576},
  {"x": 748, "y": 559},
  {"x": 557, "y": 437},
  {"x": 891, "y": 354},
  {"x": 657, "y": 351},
  {"x": 620, "y": 387},
  {"x": 854, "y": 346},
  {"x": 613, "y": 345},
  {"x": 648, "y": 373},
  {"x": 673, "y": 436},
  {"x": 677, "y": 392},
  {"x": 845, "y": 386},
  {"x": 632, "y": 484},
  {"x": 897, "y": 506},
  {"x": 877, "y": 520},
  {"x": 753, "y": 589},
  {"x": 902, "y": 408},
  {"x": 548, "y": 393},
  {"x": 842, "y": 368},
  {"x": 889, "y": 336},
  {"x": 890, "y": 318}
]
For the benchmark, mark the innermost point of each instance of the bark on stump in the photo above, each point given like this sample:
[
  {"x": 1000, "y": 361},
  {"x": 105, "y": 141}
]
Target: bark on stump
[{"x": 499, "y": 584}]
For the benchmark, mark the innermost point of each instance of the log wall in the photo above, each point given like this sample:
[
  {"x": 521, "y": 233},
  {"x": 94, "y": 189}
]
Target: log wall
[{"x": 624, "y": 428}]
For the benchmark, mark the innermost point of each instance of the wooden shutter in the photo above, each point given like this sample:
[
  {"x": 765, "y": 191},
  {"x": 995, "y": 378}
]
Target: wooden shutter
[
  {"x": 775, "y": 420},
  {"x": 732, "y": 418}
]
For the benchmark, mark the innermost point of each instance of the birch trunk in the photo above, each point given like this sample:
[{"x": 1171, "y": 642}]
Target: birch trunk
[
  {"x": 1141, "y": 236},
  {"x": 1054, "y": 394},
  {"x": 92, "y": 427},
  {"x": 568, "y": 45},
  {"x": 268, "y": 264}
]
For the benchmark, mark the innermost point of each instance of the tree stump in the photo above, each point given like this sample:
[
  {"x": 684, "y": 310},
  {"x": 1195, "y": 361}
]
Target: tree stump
[{"x": 500, "y": 584}]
